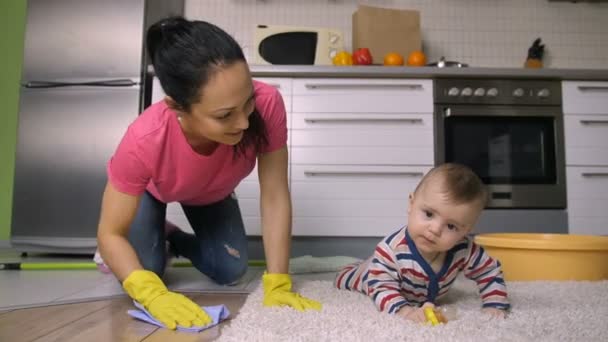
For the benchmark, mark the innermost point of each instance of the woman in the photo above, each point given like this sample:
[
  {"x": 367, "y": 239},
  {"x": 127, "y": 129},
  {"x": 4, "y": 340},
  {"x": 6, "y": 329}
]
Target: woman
[{"x": 194, "y": 147}]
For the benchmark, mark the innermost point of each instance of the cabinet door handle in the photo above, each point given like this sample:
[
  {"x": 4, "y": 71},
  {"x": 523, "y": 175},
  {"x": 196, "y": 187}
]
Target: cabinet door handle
[
  {"x": 362, "y": 86},
  {"x": 593, "y": 88},
  {"x": 275, "y": 85},
  {"x": 362, "y": 119},
  {"x": 594, "y": 122},
  {"x": 594, "y": 174},
  {"x": 362, "y": 173}
]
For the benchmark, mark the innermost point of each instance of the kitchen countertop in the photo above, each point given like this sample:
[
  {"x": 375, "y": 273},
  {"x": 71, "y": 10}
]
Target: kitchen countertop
[{"x": 425, "y": 72}]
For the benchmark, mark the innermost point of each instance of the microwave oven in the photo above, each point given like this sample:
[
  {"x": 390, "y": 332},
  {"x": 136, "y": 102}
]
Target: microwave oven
[{"x": 294, "y": 45}]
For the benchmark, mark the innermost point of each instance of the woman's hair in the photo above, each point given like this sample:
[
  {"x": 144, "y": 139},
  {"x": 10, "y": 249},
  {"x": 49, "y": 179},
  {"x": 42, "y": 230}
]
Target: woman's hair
[
  {"x": 459, "y": 182},
  {"x": 185, "y": 55}
]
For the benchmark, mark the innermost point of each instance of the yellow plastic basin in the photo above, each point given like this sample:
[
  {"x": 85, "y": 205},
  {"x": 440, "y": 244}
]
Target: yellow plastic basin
[{"x": 548, "y": 256}]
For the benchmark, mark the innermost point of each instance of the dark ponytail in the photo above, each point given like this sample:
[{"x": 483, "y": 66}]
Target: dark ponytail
[{"x": 185, "y": 54}]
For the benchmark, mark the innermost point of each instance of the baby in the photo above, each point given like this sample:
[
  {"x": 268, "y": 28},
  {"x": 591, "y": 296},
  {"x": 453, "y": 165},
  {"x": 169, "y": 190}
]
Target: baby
[{"x": 415, "y": 266}]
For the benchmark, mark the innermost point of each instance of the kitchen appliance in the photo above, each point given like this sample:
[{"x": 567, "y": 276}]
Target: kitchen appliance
[
  {"x": 293, "y": 45},
  {"x": 85, "y": 78},
  {"x": 510, "y": 132},
  {"x": 442, "y": 63}
]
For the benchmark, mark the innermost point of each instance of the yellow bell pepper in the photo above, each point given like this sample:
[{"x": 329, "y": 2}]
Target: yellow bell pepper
[{"x": 343, "y": 58}]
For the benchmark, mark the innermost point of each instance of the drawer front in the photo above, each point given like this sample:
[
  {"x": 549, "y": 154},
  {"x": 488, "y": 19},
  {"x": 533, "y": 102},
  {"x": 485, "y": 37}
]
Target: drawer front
[
  {"x": 362, "y": 139},
  {"x": 351, "y": 200},
  {"x": 348, "y": 226},
  {"x": 588, "y": 225},
  {"x": 587, "y": 199},
  {"x": 357, "y": 155},
  {"x": 349, "y": 182},
  {"x": 586, "y": 139},
  {"x": 362, "y": 96},
  {"x": 585, "y": 97}
]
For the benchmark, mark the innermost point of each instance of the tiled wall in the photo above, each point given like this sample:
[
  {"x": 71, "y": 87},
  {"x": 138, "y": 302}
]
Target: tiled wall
[{"x": 485, "y": 33}]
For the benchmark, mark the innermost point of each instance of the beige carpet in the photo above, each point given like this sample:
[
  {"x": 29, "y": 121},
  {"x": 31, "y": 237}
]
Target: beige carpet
[{"x": 542, "y": 311}]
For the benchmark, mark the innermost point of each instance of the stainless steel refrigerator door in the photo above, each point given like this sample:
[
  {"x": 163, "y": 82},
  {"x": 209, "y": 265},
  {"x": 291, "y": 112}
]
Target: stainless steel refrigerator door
[
  {"x": 92, "y": 39},
  {"x": 65, "y": 138}
]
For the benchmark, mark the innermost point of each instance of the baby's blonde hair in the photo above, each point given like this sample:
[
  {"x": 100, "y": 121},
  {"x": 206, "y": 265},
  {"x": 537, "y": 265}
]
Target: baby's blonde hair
[{"x": 460, "y": 183}]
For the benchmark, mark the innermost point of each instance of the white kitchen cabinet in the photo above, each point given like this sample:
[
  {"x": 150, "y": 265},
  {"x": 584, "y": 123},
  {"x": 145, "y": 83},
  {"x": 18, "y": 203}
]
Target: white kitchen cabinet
[
  {"x": 367, "y": 96},
  {"x": 358, "y": 148},
  {"x": 583, "y": 97},
  {"x": 587, "y": 199},
  {"x": 586, "y": 137},
  {"x": 351, "y": 200}
]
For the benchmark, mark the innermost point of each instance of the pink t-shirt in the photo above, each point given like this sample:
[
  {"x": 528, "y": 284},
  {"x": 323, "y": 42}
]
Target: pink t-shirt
[{"x": 155, "y": 156}]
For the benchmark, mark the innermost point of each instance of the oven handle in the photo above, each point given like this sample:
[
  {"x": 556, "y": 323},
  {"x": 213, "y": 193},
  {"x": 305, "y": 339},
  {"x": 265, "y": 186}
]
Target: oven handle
[{"x": 508, "y": 111}]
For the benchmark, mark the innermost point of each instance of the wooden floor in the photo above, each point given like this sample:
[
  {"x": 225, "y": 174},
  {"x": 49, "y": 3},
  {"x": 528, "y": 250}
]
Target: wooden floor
[{"x": 105, "y": 320}]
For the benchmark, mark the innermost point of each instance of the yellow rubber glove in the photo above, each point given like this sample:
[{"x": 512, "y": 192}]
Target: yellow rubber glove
[
  {"x": 277, "y": 291},
  {"x": 168, "y": 307}
]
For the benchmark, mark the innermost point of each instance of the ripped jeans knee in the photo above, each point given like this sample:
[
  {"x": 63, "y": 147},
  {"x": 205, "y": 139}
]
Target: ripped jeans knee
[{"x": 231, "y": 266}]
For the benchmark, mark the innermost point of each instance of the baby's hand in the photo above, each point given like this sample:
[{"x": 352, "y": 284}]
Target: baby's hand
[
  {"x": 495, "y": 313},
  {"x": 414, "y": 314}
]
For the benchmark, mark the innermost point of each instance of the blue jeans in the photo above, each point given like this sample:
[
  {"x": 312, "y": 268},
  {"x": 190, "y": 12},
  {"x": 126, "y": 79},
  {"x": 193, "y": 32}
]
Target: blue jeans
[{"x": 218, "y": 247}]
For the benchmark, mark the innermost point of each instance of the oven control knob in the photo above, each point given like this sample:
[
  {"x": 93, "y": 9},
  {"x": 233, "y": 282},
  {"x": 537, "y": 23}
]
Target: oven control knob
[
  {"x": 544, "y": 92},
  {"x": 493, "y": 92},
  {"x": 519, "y": 92},
  {"x": 479, "y": 92},
  {"x": 453, "y": 91},
  {"x": 467, "y": 91}
]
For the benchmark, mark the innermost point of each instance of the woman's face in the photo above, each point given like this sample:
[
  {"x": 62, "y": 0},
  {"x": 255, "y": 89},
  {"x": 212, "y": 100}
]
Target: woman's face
[{"x": 222, "y": 114}]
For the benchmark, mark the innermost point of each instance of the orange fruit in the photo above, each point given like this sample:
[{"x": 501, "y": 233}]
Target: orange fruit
[
  {"x": 393, "y": 58},
  {"x": 416, "y": 58}
]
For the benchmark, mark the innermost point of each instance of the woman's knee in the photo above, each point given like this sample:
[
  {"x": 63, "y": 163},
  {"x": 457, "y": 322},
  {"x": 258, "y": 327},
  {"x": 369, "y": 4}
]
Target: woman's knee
[{"x": 232, "y": 268}]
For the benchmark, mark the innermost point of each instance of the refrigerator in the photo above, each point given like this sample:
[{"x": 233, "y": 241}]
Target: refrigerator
[{"x": 85, "y": 78}]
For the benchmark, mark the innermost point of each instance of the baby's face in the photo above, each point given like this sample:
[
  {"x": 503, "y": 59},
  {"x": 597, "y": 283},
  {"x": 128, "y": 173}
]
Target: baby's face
[{"x": 435, "y": 222}]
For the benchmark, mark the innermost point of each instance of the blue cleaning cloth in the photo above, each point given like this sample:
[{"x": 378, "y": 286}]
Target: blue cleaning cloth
[{"x": 217, "y": 313}]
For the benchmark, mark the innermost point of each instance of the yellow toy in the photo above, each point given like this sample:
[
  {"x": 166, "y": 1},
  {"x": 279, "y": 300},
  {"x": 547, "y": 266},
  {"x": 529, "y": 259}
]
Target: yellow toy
[{"x": 436, "y": 316}]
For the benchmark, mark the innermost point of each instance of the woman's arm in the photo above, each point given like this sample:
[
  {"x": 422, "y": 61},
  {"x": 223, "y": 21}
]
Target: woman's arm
[
  {"x": 275, "y": 209},
  {"x": 117, "y": 212}
]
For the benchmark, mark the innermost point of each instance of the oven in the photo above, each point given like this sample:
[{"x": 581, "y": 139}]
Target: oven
[{"x": 510, "y": 132}]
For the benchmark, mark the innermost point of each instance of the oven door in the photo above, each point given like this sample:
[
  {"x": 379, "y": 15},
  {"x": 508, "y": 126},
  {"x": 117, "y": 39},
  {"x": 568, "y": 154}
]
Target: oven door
[{"x": 517, "y": 151}]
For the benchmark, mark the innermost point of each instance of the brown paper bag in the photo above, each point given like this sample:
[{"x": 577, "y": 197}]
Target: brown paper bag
[{"x": 385, "y": 30}]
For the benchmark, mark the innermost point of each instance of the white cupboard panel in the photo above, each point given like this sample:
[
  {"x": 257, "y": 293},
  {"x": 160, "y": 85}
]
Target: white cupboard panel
[
  {"x": 349, "y": 208},
  {"x": 361, "y": 137},
  {"x": 585, "y": 97},
  {"x": 405, "y": 123},
  {"x": 311, "y": 182},
  {"x": 586, "y": 139},
  {"x": 362, "y": 95},
  {"x": 347, "y": 226},
  {"x": 360, "y": 155},
  {"x": 587, "y": 199},
  {"x": 588, "y": 225}
]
